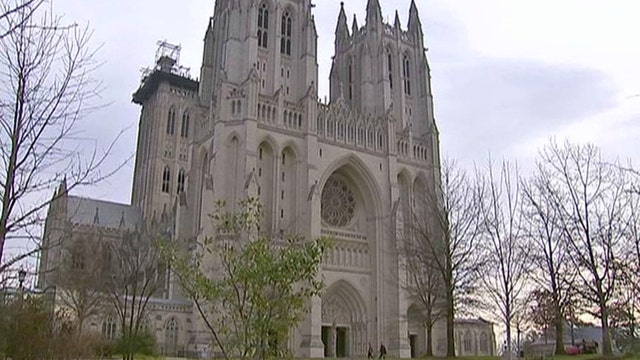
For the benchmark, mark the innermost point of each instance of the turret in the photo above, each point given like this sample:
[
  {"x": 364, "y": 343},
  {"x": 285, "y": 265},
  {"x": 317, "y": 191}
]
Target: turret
[
  {"x": 62, "y": 188},
  {"x": 415, "y": 25},
  {"x": 374, "y": 14},
  {"x": 342, "y": 31},
  {"x": 354, "y": 25}
]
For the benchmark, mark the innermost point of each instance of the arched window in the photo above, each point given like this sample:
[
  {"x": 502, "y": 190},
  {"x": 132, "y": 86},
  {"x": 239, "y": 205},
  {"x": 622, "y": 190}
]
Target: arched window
[
  {"x": 350, "y": 79},
  {"x": 263, "y": 26},
  {"x": 184, "y": 129},
  {"x": 171, "y": 337},
  {"x": 484, "y": 343},
  {"x": 171, "y": 121},
  {"x": 204, "y": 178},
  {"x": 406, "y": 73},
  {"x": 467, "y": 342},
  {"x": 390, "y": 69},
  {"x": 166, "y": 180},
  {"x": 109, "y": 328},
  {"x": 78, "y": 257},
  {"x": 181, "y": 177},
  {"x": 285, "y": 32}
]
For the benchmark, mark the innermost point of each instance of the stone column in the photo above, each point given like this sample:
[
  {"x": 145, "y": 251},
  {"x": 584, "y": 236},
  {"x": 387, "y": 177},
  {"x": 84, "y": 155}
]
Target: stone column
[
  {"x": 331, "y": 346},
  {"x": 311, "y": 345}
]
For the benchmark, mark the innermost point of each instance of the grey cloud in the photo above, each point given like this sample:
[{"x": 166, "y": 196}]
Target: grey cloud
[{"x": 493, "y": 104}]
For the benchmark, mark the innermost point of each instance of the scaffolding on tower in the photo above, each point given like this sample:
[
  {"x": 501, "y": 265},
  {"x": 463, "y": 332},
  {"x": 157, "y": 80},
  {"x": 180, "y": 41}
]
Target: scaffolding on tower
[{"x": 167, "y": 60}]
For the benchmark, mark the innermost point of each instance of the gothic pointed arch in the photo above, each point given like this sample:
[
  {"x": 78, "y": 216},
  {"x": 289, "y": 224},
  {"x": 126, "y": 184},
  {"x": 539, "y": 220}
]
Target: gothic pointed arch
[
  {"x": 389, "y": 61},
  {"x": 343, "y": 307},
  {"x": 417, "y": 329},
  {"x": 286, "y": 31},
  {"x": 184, "y": 126},
  {"x": 182, "y": 177},
  {"x": 266, "y": 176},
  {"x": 109, "y": 328},
  {"x": 206, "y": 183},
  {"x": 403, "y": 208},
  {"x": 467, "y": 343},
  {"x": 350, "y": 209},
  {"x": 353, "y": 167},
  {"x": 288, "y": 189},
  {"x": 233, "y": 165},
  {"x": 273, "y": 143},
  {"x": 407, "y": 72},
  {"x": 166, "y": 179},
  {"x": 264, "y": 15},
  {"x": 484, "y": 343},
  {"x": 421, "y": 196},
  {"x": 171, "y": 330}
]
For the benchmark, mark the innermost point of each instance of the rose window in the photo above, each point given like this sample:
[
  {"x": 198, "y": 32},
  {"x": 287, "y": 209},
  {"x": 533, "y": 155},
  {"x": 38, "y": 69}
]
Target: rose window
[{"x": 338, "y": 203}]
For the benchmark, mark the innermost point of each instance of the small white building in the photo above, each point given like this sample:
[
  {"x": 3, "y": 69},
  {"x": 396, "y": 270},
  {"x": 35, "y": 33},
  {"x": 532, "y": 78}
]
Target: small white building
[{"x": 474, "y": 337}]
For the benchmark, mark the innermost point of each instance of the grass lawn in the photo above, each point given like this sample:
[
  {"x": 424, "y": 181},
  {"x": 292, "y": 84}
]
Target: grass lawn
[{"x": 563, "y": 357}]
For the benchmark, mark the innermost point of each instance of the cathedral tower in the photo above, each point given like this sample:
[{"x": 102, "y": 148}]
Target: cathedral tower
[
  {"x": 259, "y": 78},
  {"x": 168, "y": 97},
  {"x": 380, "y": 68}
]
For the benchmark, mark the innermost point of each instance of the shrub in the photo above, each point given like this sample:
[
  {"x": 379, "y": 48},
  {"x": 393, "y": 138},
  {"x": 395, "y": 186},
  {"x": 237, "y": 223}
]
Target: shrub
[
  {"x": 143, "y": 343},
  {"x": 572, "y": 350}
]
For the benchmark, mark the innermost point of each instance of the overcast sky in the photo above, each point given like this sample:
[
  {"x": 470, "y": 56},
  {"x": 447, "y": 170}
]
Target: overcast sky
[{"x": 507, "y": 75}]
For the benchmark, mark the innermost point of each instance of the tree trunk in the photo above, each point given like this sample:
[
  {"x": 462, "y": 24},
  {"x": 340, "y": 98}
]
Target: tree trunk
[
  {"x": 429, "y": 352},
  {"x": 559, "y": 325},
  {"x": 606, "y": 339},
  {"x": 508, "y": 347},
  {"x": 632, "y": 335},
  {"x": 451, "y": 346}
]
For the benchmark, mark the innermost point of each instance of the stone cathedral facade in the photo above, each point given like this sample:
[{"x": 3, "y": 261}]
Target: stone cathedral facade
[{"x": 352, "y": 168}]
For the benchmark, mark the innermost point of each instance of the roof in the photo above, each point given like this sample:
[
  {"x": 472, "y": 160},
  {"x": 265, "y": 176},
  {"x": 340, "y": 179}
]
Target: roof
[
  {"x": 478, "y": 321},
  {"x": 86, "y": 211},
  {"x": 151, "y": 83}
]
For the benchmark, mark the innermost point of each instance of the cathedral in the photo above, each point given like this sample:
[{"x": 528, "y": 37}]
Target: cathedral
[{"x": 352, "y": 167}]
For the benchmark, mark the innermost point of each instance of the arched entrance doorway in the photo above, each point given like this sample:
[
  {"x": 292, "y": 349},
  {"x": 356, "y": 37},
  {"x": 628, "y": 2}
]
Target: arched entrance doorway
[
  {"x": 417, "y": 331},
  {"x": 344, "y": 326}
]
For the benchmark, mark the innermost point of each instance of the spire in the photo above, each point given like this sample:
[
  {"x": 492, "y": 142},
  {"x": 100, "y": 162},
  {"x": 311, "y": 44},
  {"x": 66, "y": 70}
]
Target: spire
[
  {"x": 354, "y": 25},
  {"x": 374, "y": 14},
  {"x": 414, "y": 19},
  {"x": 62, "y": 188},
  {"x": 396, "y": 23},
  {"x": 342, "y": 31}
]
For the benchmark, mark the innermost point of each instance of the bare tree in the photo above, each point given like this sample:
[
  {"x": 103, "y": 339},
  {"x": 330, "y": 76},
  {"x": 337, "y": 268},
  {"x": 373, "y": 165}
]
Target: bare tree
[
  {"x": 506, "y": 253},
  {"x": 541, "y": 312},
  {"x": 81, "y": 284},
  {"x": 136, "y": 276},
  {"x": 47, "y": 88},
  {"x": 554, "y": 273},
  {"x": 590, "y": 196},
  {"x": 626, "y": 304},
  {"x": 10, "y": 8},
  {"x": 425, "y": 285},
  {"x": 445, "y": 237}
]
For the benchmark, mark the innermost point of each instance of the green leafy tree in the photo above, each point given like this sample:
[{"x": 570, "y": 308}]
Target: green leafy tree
[
  {"x": 32, "y": 331},
  {"x": 250, "y": 288}
]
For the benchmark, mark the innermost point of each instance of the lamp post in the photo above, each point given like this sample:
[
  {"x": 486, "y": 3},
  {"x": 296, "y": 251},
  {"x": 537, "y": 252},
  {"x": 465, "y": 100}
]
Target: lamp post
[{"x": 22, "y": 275}]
